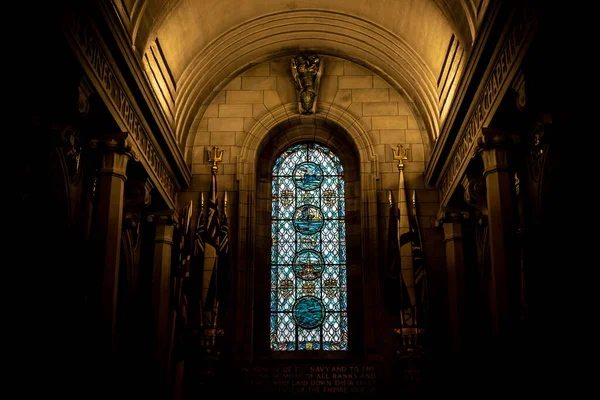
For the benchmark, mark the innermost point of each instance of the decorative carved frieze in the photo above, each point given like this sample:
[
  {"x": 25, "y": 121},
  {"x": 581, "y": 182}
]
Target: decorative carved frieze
[
  {"x": 108, "y": 84},
  {"x": 493, "y": 91}
]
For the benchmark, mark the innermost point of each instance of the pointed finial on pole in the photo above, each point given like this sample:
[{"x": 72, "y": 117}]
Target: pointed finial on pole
[
  {"x": 400, "y": 155},
  {"x": 215, "y": 156},
  {"x": 390, "y": 198}
]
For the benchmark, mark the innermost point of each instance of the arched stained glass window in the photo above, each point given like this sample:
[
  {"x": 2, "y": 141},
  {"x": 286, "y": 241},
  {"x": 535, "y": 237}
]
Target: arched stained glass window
[{"x": 308, "y": 251}]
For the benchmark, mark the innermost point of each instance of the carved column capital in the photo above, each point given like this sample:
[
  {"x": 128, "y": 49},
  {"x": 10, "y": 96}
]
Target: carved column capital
[
  {"x": 494, "y": 146},
  {"x": 165, "y": 217},
  {"x": 117, "y": 152},
  {"x": 165, "y": 222},
  {"x": 450, "y": 215},
  {"x": 451, "y": 220}
]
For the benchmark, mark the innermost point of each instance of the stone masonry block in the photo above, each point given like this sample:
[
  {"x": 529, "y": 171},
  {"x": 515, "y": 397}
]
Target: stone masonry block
[
  {"x": 369, "y": 95},
  {"x": 259, "y": 83},
  {"x": 235, "y": 110},
  {"x": 351, "y": 68},
  {"x": 355, "y": 82},
  {"x": 389, "y": 122},
  {"x": 226, "y": 124},
  {"x": 383, "y": 108},
  {"x": 244, "y": 96}
]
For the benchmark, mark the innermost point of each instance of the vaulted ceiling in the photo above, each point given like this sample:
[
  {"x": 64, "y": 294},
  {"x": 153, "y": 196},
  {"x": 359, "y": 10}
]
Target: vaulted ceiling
[{"x": 192, "y": 48}]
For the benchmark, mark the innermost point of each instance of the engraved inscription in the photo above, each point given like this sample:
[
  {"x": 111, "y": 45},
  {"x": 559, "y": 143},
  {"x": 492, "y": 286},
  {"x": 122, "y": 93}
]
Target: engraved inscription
[{"x": 493, "y": 85}]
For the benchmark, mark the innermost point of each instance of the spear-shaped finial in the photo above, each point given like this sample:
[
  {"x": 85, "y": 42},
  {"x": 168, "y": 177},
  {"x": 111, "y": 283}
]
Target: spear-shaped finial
[
  {"x": 400, "y": 155},
  {"x": 390, "y": 198},
  {"x": 225, "y": 200},
  {"x": 215, "y": 156}
]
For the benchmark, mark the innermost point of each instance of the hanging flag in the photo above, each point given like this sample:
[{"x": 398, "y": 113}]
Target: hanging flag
[
  {"x": 179, "y": 320},
  {"x": 193, "y": 281},
  {"x": 393, "y": 287},
  {"x": 405, "y": 240},
  {"x": 212, "y": 223},
  {"x": 418, "y": 261},
  {"x": 224, "y": 258},
  {"x": 213, "y": 230}
]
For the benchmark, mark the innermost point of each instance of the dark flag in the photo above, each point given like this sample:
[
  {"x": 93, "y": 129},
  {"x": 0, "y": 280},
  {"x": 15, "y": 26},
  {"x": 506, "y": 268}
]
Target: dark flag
[
  {"x": 179, "y": 321},
  {"x": 223, "y": 258},
  {"x": 193, "y": 283},
  {"x": 212, "y": 223},
  {"x": 393, "y": 287},
  {"x": 418, "y": 261},
  {"x": 213, "y": 230}
]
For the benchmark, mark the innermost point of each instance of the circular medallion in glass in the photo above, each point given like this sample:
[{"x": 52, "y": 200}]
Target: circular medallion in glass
[
  {"x": 308, "y": 265},
  {"x": 309, "y": 312},
  {"x": 308, "y": 219},
  {"x": 308, "y": 176}
]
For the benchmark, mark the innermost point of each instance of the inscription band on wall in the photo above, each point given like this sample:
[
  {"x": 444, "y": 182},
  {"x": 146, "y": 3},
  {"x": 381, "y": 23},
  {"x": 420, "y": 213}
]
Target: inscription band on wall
[
  {"x": 107, "y": 82},
  {"x": 495, "y": 85}
]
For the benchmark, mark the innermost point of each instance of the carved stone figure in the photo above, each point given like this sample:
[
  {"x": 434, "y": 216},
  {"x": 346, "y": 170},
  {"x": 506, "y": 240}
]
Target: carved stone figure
[{"x": 306, "y": 70}]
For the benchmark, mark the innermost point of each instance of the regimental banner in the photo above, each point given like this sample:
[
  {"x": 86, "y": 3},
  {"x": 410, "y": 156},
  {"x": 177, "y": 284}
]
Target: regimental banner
[{"x": 94, "y": 61}]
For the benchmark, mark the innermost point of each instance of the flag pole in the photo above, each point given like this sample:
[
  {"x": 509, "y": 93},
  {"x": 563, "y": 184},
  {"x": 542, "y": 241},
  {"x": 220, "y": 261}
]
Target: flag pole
[{"x": 400, "y": 155}]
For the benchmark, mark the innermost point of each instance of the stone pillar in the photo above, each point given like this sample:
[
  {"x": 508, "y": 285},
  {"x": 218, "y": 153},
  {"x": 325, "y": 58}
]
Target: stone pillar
[
  {"x": 161, "y": 283},
  {"x": 452, "y": 223},
  {"x": 108, "y": 227},
  {"x": 494, "y": 148}
]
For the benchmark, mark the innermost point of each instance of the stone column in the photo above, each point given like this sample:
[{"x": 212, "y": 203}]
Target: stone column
[
  {"x": 108, "y": 226},
  {"x": 164, "y": 222},
  {"x": 452, "y": 223},
  {"x": 495, "y": 147}
]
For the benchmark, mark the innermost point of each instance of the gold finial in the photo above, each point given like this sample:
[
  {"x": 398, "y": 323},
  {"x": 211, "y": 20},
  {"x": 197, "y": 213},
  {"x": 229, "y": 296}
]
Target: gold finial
[
  {"x": 400, "y": 155},
  {"x": 215, "y": 156},
  {"x": 225, "y": 200},
  {"x": 202, "y": 200},
  {"x": 390, "y": 198}
]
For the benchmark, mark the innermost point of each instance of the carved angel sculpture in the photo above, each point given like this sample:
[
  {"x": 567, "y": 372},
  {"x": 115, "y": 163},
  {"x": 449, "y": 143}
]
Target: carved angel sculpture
[{"x": 306, "y": 70}]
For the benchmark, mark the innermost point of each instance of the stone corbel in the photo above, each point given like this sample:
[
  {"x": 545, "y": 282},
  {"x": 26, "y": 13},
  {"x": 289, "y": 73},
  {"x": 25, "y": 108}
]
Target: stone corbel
[
  {"x": 518, "y": 86},
  {"x": 83, "y": 101},
  {"x": 137, "y": 200},
  {"x": 475, "y": 195},
  {"x": 70, "y": 141}
]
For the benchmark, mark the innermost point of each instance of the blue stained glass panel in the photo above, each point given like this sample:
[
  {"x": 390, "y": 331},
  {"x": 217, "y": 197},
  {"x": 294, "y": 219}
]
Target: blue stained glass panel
[{"x": 308, "y": 262}]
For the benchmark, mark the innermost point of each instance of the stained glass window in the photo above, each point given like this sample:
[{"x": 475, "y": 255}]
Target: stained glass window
[{"x": 308, "y": 251}]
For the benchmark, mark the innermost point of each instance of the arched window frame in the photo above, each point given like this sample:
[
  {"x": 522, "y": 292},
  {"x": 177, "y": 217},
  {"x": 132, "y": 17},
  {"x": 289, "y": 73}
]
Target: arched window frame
[{"x": 308, "y": 306}]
